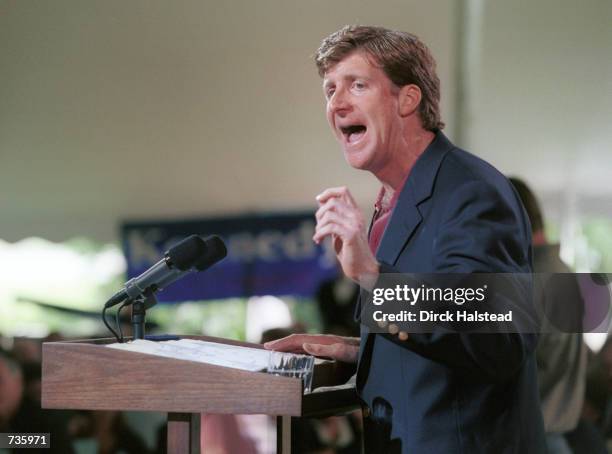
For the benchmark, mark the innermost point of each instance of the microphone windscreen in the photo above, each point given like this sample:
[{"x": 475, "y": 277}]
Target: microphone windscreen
[
  {"x": 215, "y": 251},
  {"x": 187, "y": 253}
]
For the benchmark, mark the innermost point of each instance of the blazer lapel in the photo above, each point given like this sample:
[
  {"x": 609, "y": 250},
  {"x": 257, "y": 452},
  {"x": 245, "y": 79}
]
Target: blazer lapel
[
  {"x": 403, "y": 222},
  {"x": 406, "y": 216}
]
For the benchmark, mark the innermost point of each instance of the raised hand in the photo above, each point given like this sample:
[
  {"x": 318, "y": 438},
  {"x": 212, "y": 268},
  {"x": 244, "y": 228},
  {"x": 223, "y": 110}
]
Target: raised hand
[{"x": 339, "y": 218}]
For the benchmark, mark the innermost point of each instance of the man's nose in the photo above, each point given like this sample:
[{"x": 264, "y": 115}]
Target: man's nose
[{"x": 339, "y": 102}]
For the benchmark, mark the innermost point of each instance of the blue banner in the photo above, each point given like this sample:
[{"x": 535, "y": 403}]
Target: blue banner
[{"x": 267, "y": 255}]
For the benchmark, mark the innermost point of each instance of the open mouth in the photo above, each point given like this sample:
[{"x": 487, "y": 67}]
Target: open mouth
[{"x": 352, "y": 133}]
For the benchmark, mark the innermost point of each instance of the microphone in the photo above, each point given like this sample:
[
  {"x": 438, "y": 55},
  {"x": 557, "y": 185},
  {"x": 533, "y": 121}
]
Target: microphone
[
  {"x": 177, "y": 260},
  {"x": 215, "y": 251}
]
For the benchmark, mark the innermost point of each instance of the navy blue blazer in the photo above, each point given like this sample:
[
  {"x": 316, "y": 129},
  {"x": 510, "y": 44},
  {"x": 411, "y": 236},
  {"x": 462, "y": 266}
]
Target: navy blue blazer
[{"x": 451, "y": 392}]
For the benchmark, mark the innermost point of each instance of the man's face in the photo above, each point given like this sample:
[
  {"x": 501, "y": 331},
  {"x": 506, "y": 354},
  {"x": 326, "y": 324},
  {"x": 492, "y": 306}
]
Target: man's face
[{"x": 363, "y": 112}]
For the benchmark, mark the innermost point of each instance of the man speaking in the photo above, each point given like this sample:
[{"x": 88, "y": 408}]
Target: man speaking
[{"x": 439, "y": 210}]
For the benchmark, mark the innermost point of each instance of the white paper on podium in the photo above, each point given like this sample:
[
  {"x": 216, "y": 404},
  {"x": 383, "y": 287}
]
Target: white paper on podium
[{"x": 237, "y": 357}]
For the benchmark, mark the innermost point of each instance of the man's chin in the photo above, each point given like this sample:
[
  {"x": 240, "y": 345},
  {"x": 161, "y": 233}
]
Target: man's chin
[
  {"x": 356, "y": 163},
  {"x": 357, "y": 159}
]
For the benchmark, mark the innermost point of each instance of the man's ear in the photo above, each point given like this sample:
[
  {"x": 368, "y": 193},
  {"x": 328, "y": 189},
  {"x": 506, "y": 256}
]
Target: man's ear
[{"x": 409, "y": 99}]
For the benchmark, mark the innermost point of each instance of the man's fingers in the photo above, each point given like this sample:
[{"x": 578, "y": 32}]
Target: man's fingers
[
  {"x": 330, "y": 192},
  {"x": 290, "y": 343},
  {"x": 341, "y": 192},
  {"x": 313, "y": 349},
  {"x": 338, "y": 351},
  {"x": 331, "y": 217},
  {"x": 350, "y": 199},
  {"x": 325, "y": 207},
  {"x": 337, "y": 347},
  {"x": 335, "y": 205},
  {"x": 295, "y": 342},
  {"x": 328, "y": 229},
  {"x": 331, "y": 351}
]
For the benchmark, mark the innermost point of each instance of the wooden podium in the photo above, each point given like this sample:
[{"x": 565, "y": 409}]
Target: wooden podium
[{"x": 86, "y": 375}]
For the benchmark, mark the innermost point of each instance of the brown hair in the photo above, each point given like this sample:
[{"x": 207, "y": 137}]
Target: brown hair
[{"x": 402, "y": 56}]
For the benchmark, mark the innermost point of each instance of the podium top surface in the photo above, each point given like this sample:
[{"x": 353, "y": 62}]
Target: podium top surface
[{"x": 88, "y": 375}]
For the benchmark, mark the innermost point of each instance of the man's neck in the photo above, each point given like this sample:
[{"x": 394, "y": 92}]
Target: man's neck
[{"x": 395, "y": 174}]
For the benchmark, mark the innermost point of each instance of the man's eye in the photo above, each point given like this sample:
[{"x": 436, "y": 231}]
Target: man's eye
[
  {"x": 329, "y": 92},
  {"x": 359, "y": 85}
]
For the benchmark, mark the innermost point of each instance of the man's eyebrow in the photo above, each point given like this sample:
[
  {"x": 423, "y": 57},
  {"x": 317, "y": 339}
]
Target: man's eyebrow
[{"x": 347, "y": 77}]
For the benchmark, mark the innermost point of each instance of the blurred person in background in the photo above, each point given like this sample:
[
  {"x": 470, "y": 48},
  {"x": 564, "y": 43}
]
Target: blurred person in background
[
  {"x": 589, "y": 437},
  {"x": 20, "y": 409},
  {"x": 28, "y": 352},
  {"x": 19, "y": 413},
  {"x": 108, "y": 431},
  {"x": 11, "y": 389},
  {"x": 605, "y": 363},
  {"x": 561, "y": 356},
  {"x": 336, "y": 299}
]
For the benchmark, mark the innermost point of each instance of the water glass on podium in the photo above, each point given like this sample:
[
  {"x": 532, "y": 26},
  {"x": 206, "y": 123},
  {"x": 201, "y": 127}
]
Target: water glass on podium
[{"x": 292, "y": 365}]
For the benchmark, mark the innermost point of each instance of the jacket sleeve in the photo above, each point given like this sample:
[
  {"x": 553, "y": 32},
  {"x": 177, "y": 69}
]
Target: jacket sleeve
[{"x": 479, "y": 233}]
